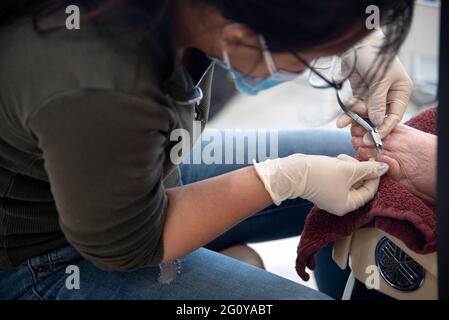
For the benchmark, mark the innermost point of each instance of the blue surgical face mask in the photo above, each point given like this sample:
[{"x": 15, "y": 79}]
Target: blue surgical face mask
[{"x": 251, "y": 85}]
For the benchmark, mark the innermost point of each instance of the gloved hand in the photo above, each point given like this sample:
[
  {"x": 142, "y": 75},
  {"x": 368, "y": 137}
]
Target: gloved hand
[
  {"x": 385, "y": 99},
  {"x": 338, "y": 185}
]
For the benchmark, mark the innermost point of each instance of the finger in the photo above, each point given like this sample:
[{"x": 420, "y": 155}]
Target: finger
[
  {"x": 367, "y": 153},
  {"x": 357, "y": 130},
  {"x": 377, "y": 102},
  {"x": 366, "y": 170},
  {"x": 360, "y": 196},
  {"x": 395, "y": 171},
  {"x": 389, "y": 123},
  {"x": 368, "y": 140},
  {"x": 362, "y": 170},
  {"x": 358, "y": 84},
  {"x": 343, "y": 121},
  {"x": 358, "y": 142},
  {"x": 356, "y": 105},
  {"x": 345, "y": 157},
  {"x": 397, "y": 102},
  {"x": 354, "y": 160}
]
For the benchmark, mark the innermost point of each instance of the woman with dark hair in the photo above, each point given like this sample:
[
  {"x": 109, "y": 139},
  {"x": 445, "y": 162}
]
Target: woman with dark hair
[{"x": 88, "y": 181}]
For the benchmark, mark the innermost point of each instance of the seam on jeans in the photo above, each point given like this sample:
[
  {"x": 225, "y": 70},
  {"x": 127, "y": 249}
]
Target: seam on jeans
[
  {"x": 50, "y": 259},
  {"x": 34, "y": 291},
  {"x": 57, "y": 255},
  {"x": 33, "y": 288}
]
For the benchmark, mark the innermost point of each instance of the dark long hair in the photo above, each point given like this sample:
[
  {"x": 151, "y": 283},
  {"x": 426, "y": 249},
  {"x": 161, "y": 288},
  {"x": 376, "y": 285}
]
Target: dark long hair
[
  {"x": 286, "y": 24},
  {"x": 290, "y": 25},
  {"x": 98, "y": 11},
  {"x": 304, "y": 24}
]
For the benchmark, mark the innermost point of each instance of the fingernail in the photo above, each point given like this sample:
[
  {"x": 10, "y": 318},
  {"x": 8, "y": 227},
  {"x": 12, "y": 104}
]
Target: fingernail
[
  {"x": 367, "y": 141},
  {"x": 377, "y": 119},
  {"x": 383, "y": 168}
]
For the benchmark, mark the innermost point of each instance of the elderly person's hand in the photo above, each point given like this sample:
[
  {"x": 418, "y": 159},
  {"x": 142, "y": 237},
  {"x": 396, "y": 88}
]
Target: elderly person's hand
[{"x": 411, "y": 155}]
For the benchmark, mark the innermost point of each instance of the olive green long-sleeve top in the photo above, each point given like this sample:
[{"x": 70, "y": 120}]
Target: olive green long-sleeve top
[{"x": 85, "y": 123}]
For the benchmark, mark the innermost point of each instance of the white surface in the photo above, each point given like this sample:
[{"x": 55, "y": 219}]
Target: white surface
[
  {"x": 290, "y": 105},
  {"x": 279, "y": 257}
]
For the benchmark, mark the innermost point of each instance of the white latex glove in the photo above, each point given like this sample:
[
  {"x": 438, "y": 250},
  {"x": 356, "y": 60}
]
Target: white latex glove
[
  {"x": 385, "y": 99},
  {"x": 338, "y": 185}
]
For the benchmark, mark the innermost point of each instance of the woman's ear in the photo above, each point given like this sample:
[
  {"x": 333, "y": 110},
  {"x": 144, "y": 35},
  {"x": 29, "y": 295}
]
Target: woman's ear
[{"x": 236, "y": 34}]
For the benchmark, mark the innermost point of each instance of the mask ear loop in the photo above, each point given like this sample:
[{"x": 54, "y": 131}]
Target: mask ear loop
[
  {"x": 226, "y": 59},
  {"x": 269, "y": 61}
]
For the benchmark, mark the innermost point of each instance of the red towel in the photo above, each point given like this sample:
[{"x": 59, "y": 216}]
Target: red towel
[{"x": 394, "y": 210}]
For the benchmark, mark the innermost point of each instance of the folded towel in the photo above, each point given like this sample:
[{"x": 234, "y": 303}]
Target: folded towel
[{"x": 394, "y": 210}]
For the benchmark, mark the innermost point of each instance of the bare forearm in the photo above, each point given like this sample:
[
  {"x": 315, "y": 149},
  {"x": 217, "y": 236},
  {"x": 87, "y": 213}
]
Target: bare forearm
[{"x": 200, "y": 212}]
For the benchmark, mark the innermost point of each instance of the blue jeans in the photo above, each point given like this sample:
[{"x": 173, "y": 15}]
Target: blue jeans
[{"x": 203, "y": 274}]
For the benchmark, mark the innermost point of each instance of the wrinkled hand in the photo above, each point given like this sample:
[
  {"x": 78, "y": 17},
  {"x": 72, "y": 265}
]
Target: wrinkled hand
[
  {"x": 385, "y": 98},
  {"x": 337, "y": 185},
  {"x": 411, "y": 155}
]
